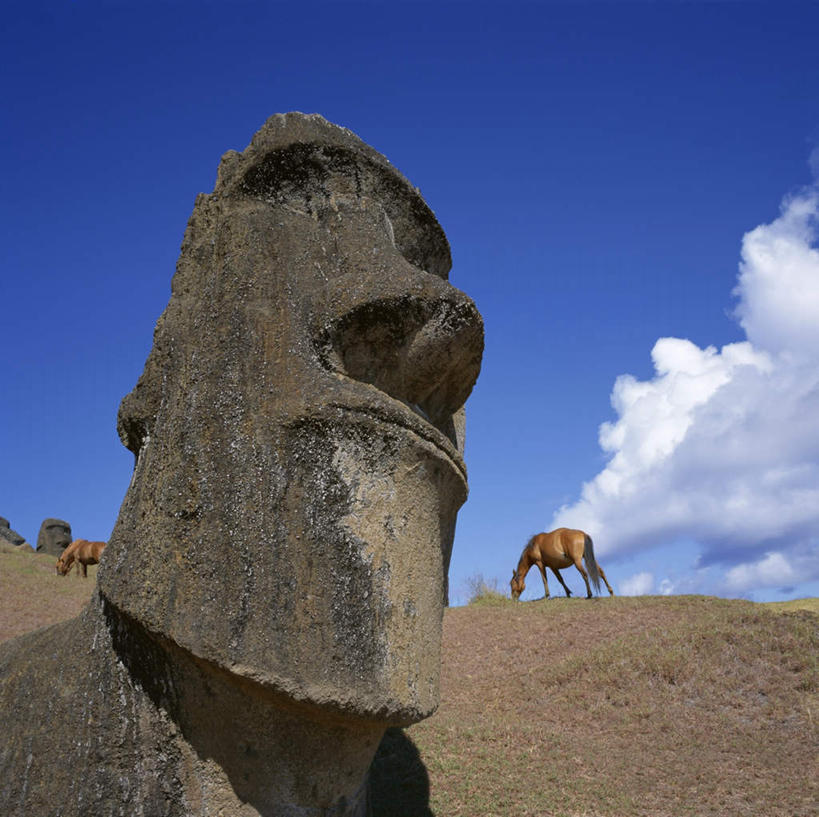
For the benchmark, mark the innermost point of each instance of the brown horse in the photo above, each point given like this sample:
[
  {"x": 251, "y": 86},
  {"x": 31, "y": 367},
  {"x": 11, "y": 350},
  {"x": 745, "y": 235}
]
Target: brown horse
[
  {"x": 83, "y": 553},
  {"x": 555, "y": 550}
]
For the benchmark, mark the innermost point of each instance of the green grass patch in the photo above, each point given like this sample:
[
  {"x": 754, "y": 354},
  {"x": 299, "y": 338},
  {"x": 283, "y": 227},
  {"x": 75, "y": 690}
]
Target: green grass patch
[{"x": 810, "y": 604}]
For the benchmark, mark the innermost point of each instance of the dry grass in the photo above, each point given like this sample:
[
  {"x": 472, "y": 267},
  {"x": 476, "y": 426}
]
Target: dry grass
[
  {"x": 650, "y": 706},
  {"x": 32, "y": 595},
  {"x": 796, "y": 604},
  {"x": 482, "y": 591},
  {"x": 642, "y": 707}
]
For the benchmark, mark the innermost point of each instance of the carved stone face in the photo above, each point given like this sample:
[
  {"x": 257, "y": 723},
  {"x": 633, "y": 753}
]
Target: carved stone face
[
  {"x": 299, "y": 430},
  {"x": 54, "y": 536}
]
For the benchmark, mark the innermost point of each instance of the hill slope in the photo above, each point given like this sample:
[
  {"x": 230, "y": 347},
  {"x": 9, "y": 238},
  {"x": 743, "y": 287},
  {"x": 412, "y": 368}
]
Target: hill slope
[
  {"x": 650, "y": 706},
  {"x": 627, "y": 706},
  {"x": 32, "y": 595}
]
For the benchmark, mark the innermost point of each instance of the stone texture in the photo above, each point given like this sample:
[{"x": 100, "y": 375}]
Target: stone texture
[
  {"x": 54, "y": 536},
  {"x": 271, "y": 598},
  {"x": 8, "y": 535}
]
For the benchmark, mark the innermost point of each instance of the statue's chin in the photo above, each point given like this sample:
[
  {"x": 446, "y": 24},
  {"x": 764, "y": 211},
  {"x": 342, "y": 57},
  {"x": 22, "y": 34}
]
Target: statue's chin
[
  {"x": 374, "y": 595},
  {"x": 331, "y": 594}
]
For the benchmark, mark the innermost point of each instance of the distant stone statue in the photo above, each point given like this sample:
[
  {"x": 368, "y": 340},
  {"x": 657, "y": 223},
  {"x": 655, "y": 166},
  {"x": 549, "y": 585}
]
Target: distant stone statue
[
  {"x": 9, "y": 536},
  {"x": 54, "y": 536},
  {"x": 271, "y": 597}
]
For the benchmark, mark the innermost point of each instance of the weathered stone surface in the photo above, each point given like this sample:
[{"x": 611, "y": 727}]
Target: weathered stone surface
[
  {"x": 132, "y": 725},
  {"x": 9, "y": 535},
  {"x": 272, "y": 594},
  {"x": 54, "y": 536}
]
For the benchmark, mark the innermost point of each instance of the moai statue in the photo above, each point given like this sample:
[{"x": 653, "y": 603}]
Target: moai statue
[
  {"x": 272, "y": 595},
  {"x": 9, "y": 536},
  {"x": 54, "y": 536}
]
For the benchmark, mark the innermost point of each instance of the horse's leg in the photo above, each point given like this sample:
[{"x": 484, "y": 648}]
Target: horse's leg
[
  {"x": 603, "y": 577},
  {"x": 579, "y": 565},
  {"x": 84, "y": 570},
  {"x": 545, "y": 582},
  {"x": 560, "y": 579}
]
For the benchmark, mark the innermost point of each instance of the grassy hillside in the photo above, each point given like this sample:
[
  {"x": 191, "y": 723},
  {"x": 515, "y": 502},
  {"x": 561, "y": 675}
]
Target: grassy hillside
[
  {"x": 651, "y": 706},
  {"x": 626, "y": 706},
  {"x": 32, "y": 595}
]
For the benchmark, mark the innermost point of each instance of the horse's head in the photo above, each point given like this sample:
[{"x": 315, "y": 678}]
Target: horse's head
[
  {"x": 517, "y": 585},
  {"x": 64, "y": 564}
]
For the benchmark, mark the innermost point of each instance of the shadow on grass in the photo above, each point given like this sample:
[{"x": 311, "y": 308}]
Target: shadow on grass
[{"x": 399, "y": 782}]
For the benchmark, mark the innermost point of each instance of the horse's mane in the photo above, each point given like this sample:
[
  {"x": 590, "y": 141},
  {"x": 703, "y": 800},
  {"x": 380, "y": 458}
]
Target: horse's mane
[{"x": 528, "y": 545}]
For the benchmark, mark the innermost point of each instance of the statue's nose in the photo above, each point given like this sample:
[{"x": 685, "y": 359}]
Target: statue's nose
[{"x": 420, "y": 343}]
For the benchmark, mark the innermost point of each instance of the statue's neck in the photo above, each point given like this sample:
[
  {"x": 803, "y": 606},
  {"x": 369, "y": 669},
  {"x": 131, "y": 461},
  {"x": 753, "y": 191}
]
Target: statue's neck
[{"x": 242, "y": 749}]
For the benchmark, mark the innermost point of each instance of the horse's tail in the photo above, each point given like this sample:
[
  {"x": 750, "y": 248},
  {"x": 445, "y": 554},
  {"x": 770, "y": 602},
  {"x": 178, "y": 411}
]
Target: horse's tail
[{"x": 591, "y": 562}]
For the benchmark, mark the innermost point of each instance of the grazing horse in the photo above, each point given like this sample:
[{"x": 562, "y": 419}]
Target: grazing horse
[
  {"x": 82, "y": 552},
  {"x": 555, "y": 550}
]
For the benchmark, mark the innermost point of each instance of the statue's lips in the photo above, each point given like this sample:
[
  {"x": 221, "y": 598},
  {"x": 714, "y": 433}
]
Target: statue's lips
[{"x": 397, "y": 415}]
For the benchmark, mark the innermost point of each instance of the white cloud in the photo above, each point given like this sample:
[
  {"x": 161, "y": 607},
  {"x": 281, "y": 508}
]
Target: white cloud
[
  {"x": 778, "y": 288},
  {"x": 773, "y": 570},
  {"x": 722, "y": 446},
  {"x": 667, "y": 587},
  {"x": 640, "y": 584}
]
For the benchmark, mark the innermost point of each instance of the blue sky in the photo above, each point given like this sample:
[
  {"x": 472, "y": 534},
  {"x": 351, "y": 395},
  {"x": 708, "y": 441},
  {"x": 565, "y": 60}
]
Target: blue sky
[{"x": 608, "y": 175}]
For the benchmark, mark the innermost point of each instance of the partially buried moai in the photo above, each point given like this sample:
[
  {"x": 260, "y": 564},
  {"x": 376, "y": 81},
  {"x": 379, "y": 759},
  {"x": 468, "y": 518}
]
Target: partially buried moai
[
  {"x": 11, "y": 537},
  {"x": 272, "y": 594},
  {"x": 54, "y": 536}
]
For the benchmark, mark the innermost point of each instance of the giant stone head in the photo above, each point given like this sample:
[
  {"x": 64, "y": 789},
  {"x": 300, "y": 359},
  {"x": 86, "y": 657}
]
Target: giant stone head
[
  {"x": 298, "y": 430},
  {"x": 54, "y": 536}
]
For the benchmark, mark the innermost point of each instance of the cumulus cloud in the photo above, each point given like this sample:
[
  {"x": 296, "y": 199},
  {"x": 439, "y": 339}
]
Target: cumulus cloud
[
  {"x": 640, "y": 584},
  {"x": 778, "y": 287},
  {"x": 721, "y": 446},
  {"x": 667, "y": 587},
  {"x": 772, "y": 570}
]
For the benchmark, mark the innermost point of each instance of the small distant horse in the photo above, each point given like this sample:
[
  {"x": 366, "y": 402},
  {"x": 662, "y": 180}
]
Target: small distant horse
[
  {"x": 556, "y": 550},
  {"x": 83, "y": 553}
]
